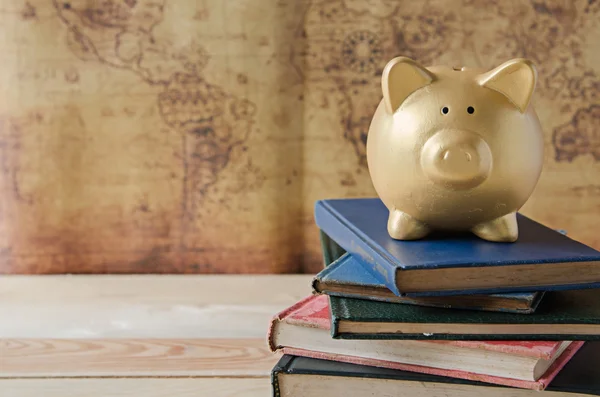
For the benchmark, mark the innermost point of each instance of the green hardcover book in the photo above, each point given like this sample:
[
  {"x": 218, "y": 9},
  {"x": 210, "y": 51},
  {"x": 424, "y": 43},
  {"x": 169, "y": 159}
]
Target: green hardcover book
[{"x": 562, "y": 315}]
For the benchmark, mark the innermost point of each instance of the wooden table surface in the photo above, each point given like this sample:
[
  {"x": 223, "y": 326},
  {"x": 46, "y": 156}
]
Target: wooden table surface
[{"x": 192, "y": 335}]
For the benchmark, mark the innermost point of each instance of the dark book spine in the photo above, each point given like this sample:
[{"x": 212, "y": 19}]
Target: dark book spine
[
  {"x": 281, "y": 367},
  {"x": 331, "y": 250},
  {"x": 340, "y": 309},
  {"x": 357, "y": 245}
]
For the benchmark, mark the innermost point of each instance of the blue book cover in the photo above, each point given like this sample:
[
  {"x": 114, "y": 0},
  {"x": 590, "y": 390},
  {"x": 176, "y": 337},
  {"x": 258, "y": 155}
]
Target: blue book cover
[
  {"x": 347, "y": 277},
  {"x": 457, "y": 263}
]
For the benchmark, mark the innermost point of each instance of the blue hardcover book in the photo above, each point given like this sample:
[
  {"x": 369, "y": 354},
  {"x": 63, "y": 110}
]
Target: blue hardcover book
[
  {"x": 347, "y": 277},
  {"x": 458, "y": 263}
]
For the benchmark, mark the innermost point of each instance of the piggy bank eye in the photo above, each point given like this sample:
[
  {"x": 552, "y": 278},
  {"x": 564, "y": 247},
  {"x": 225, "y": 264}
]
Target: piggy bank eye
[
  {"x": 445, "y": 110},
  {"x": 470, "y": 110}
]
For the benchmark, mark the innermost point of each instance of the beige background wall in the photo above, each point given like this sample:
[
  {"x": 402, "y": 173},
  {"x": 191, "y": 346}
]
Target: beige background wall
[{"x": 195, "y": 136}]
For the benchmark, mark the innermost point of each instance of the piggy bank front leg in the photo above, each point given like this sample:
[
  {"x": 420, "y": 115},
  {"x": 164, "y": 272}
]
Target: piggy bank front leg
[
  {"x": 402, "y": 226},
  {"x": 503, "y": 229}
]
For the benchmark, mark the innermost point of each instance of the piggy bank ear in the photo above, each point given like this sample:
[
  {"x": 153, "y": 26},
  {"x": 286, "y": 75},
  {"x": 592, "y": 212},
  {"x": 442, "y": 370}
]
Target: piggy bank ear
[
  {"x": 401, "y": 77},
  {"x": 514, "y": 79}
]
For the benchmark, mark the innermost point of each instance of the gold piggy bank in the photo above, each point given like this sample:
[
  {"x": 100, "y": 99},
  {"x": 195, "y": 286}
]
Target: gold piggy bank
[{"x": 455, "y": 148}]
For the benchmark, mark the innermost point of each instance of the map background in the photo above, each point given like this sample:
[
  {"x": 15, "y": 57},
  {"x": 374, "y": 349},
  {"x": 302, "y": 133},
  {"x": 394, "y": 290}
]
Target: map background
[{"x": 195, "y": 136}]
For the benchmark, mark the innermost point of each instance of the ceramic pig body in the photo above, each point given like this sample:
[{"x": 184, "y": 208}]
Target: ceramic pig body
[{"x": 455, "y": 148}]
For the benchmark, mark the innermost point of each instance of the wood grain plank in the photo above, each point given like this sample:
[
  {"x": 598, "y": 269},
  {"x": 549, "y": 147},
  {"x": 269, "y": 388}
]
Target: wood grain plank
[
  {"x": 160, "y": 387},
  {"x": 135, "y": 358},
  {"x": 133, "y": 307},
  {"x": 153, "y": 289},
  {"x": 102, "y": 321}
]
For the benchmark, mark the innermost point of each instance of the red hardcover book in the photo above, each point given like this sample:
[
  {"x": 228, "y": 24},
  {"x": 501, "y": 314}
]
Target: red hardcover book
[{"x": 304, "y": 330}]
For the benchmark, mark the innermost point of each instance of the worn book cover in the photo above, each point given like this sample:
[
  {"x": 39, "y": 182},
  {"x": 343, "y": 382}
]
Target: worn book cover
[
  {"x": 348, "y": 277},
  {"x": 315, "y": 377},
  {"x": 491, "y": 361},
  {"x": 457, "y": 263},
  {"x": 561, "y": 315}
]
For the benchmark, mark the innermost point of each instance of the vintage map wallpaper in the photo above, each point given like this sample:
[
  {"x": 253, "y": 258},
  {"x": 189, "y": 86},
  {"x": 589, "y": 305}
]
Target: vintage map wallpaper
[{"x": 195, "y": 136}]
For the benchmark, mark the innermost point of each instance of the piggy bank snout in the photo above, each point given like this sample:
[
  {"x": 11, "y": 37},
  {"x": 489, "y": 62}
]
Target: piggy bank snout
[{"x": 457, "y": 159}]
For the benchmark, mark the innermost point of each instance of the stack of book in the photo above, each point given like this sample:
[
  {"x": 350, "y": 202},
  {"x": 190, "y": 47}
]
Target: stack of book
[{"x": 449, "y": 315}]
